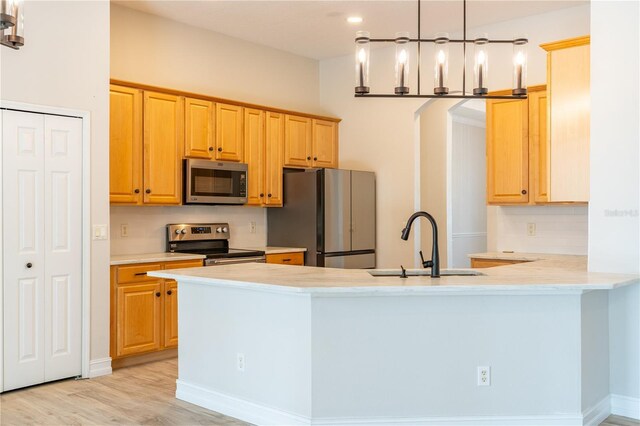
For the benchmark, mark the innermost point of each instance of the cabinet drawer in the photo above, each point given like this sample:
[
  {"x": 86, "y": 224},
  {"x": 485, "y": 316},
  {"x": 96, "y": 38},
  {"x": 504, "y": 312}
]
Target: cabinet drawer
[
  {"x": 287, "y": 258},
  {"x": 136, "y": 273},
  {"x": 183, "y": 264},
  {"x": 490, "y": 263}
]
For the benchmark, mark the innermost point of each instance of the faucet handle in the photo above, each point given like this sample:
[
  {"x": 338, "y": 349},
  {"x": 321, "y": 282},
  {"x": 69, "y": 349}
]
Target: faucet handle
[
  {"x": 422, "y": 259},
  {"x": 404, "y": 272}
]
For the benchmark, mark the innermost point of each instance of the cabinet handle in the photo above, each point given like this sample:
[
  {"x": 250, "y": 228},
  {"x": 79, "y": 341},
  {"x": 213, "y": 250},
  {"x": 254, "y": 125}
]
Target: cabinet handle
[
  {"x": 315, "y": 158},
  {"x": 524, "y": 192},
  {"x": 308, "y": 158},
  {"x": 210, "y": 148},
  {"x": 137, "y": 191},
  {"x": 269, "y": 195},
  {"x": 169, "y": 292},
  {"x": 220, "y": 149},
  {"x": 261, "y": 195},
  {"x": 148, "y": 191},
  {"x": 286, "y": 260},
  {"x": 29, "y": 265},
  {"x": 140, "y": 273},
  {"x": 158, "y": 294}
]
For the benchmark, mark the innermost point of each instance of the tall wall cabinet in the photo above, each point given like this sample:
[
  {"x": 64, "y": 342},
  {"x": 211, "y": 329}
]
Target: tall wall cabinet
[{"x": 42, "y": 253}]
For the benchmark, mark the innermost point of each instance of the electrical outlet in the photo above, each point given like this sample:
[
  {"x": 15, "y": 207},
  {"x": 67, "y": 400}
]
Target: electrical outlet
[
  {"x": 124, "y": 230},
  {"x": 240, "y": 362},
  {"x": 252, "y": 227},
  {"x": 484, "y": 376},
  {"x": 531, "y": 229}
]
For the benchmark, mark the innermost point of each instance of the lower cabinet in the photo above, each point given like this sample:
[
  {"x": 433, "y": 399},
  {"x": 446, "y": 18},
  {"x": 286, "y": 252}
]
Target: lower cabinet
[
  {"x": 490, "y": 263},
  {"x": 294, "y": 258},
  {"x": 144, "y": 310}
]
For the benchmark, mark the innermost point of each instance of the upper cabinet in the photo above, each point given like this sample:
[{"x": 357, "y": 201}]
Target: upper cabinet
[
  {"x": 325, "y": 143},
  {"x": 274, "y": 155},
  {"x": 229, "y": 132},
  {"x": 125, "y": 145},
  {"x": 568, "y": 79},
  {"x": 310, "y": 142},
  {"x": 254, "y": 154},
  {"x": 199, "y": 127}
]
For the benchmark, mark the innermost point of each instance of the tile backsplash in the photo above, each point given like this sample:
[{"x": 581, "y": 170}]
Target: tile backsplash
[
  {"x": 558, "y": 229},
  {"x": 147, "y": 225}
]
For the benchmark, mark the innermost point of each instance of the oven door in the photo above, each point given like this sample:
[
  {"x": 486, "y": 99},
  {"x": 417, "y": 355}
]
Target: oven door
[
  {"x": 234, "y": 260},
  {"x": 215, "y": 182}
]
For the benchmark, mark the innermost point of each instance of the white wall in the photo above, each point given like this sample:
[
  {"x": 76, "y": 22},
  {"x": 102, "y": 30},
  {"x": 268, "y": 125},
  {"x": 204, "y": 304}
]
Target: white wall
[
  {"x": 379, "y": 134},
  {"x": 155, "y": 51},
  {"x": 65, "y": 63},
  {"x": 614, "y": 224}
]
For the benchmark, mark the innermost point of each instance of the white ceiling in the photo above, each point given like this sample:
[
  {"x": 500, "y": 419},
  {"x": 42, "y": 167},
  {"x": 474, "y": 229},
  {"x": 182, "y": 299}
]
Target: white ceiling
[{"x": 318, "y": 29}]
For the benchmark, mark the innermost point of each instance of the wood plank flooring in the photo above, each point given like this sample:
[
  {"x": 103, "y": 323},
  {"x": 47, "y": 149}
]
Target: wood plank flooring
[{"x": 138, "y": 395}]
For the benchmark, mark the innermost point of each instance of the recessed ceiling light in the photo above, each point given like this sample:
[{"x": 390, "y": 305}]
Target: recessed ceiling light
[{"x": 354, "y": 19}]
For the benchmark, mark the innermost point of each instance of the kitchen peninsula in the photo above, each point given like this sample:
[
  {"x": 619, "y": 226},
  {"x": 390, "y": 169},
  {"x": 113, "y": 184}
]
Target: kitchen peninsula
[{"x": 273, "y": 344}]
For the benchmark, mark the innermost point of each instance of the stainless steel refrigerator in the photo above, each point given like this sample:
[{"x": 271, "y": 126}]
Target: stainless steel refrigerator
[{"x": 330, "y": 212}]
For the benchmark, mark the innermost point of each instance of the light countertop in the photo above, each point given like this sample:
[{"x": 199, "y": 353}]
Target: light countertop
[
  {"x": 555, "y": 276},
  {"x": 128, "y": 259}
]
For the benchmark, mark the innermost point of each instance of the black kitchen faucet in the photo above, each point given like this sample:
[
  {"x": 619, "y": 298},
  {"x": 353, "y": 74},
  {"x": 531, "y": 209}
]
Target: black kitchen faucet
[{"x": 434, "y": 263}]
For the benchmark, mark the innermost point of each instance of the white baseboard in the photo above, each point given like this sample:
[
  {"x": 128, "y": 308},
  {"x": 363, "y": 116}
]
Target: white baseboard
[
  {"x": 596, "y": 414},
  {"x": 99, "y": 367},
  {"x": 625, "y": 406},
  {"x": 557, "y": 420},
  {"x": 235, "y": 407}
]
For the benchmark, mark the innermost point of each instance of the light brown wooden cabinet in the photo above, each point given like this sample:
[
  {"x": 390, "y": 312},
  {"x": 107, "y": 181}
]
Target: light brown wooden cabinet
[
  {"x": 490, "y": 263},
  {"x": 293, "y": 258},
  {"x": 144, "y": 310},
  {"x": 199, "y": 126},
  {"x": 274, "y": 154},
  {"x": 146, "y": 145},
  {"x": 229, "y": 132},
  {"x": 310, "y": 142}
]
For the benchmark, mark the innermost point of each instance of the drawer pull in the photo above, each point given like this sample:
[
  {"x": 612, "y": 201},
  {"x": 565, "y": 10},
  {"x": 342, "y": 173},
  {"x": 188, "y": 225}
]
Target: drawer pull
[
  {"x": 169, "y": 292},
  {"x": 158, "y": 294},
  {"x": 286, "y": 260},
  {"x": 140, "y": 273}
]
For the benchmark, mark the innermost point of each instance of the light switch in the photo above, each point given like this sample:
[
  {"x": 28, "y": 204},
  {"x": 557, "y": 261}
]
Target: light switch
[{"x": 99, "y": 232}]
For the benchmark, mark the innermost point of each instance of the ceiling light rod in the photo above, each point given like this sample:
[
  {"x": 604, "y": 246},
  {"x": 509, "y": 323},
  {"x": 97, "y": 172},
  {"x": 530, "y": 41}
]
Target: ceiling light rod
[{"x": 441, "y": 64}]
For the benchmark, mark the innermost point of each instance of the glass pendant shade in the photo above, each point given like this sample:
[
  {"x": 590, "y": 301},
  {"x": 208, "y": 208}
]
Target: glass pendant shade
[
  {"x": 520, "y": 67},
  {"x": 7, "y": 19},
  {"x": 441, "y": 71},
  {"x": 362, "y": 62},
  {"x": 480, "y": 66},
  {"x": 14, "y": 36},
  {"x": 402, "y": 63}
]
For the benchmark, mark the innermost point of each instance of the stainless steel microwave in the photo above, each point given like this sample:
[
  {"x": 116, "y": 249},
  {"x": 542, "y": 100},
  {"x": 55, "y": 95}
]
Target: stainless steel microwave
[{"x": 214, "y": 182}]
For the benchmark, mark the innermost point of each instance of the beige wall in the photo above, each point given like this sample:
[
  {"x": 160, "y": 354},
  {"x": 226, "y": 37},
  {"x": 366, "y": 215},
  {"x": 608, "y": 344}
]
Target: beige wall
[{"x": 65, "y": 63}]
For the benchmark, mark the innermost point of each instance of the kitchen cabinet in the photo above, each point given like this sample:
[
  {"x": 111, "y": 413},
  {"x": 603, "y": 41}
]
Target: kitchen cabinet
[
  {"x": 199, "y": 119},
  {"x": 569, "y": 108},
  {"x": 490, "y": 263},
  {"x": 146, "y": 146},
  {"x": 229, "y": 132},
  {"x": 254, "y": 155},
  {"x": 310, "y": 142},
  {"x": 125, "y": 145},
  {"x": 538, "y": 145},
  {"x": 325, "y": 143},
  {"x": 293, "y": 258},
  {"x": 274, "y": 156},
  {"x": 144, "y": 310}
]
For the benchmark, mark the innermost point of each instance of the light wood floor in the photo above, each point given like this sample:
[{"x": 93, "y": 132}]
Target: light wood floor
[{"x": 140, "y": 395}]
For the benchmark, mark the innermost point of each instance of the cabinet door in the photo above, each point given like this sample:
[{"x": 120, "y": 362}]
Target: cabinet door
[
  {"x": 274, "y": 158},
  {"x": 229, "y": 132},
  {"x": 296, "y": 259},
  {"x": 507, "y": 151},
  {"x": 170, "y": 314},
  {"x": 297, "y": 141},
  {"x": 254, "y": 146},
  {"x": 138, "y": 318},
  {"x": 569, "y": 119},
  {"x": 325, "y": 144},
  {"x": 163, "y": 148},
  {"x": 538, "y": 147},
  {"x": 125, "y": 145},
  {"x": 199, "y": 122}
]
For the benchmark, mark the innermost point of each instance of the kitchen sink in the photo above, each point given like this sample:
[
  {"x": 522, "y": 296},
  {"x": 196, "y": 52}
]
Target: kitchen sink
[{"x": 424, "y": 273}]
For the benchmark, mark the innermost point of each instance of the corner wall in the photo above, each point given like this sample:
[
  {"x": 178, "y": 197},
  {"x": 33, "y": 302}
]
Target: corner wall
[{"x": 65, "y": 63}]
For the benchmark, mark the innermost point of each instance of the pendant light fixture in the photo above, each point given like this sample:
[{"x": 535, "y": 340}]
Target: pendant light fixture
[
  {"x": 12, "y": 23},
  {"x": 441, "y": 44}
]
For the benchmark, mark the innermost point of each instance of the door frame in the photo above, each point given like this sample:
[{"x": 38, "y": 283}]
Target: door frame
[{"x": 85, "y": 116}]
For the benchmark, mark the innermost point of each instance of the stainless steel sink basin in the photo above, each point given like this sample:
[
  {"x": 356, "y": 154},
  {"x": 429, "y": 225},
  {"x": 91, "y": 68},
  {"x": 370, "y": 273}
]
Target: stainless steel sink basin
[{"x": 424, "y": 273}]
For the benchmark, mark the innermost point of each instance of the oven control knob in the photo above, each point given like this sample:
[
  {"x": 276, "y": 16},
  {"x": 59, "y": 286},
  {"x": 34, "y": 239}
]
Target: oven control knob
[
  {"x": 177, "y": 231},
  {"x": 184, "y": 231},
  {"x": 218, "y": 229},
  {"x": 225, "y": 230}
]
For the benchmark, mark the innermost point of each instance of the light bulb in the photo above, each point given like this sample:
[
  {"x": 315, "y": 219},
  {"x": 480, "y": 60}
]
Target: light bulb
[
  {"x": 402, "y": 56},
  {"x": 481, "y": 57},
  {"x": 441, "y": 57},
  {"x": 362, "y": 56},
  {"x": 519, "y": 58}
]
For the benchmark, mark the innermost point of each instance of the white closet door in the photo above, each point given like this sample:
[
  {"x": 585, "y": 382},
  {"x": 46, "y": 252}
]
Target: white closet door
[
  {"x": 23, "y": 248},
  {"x": 63, "y": 246}
]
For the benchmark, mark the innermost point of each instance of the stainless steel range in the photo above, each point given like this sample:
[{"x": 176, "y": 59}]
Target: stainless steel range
[{"x": 211, "y": 240}]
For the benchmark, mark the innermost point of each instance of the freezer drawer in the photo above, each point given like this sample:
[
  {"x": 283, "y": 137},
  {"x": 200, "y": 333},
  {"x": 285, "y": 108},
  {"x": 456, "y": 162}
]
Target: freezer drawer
[{"x": 353, "y": 261}]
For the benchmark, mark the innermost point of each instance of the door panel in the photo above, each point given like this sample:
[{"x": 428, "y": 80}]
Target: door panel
[
  {"x": 254, "y": 150},
  {"x": 63, "y": 246},
  {"x": 337, "y": 210},
  {"x": 229, "y": 133},
  {"x": 23, "y": 248},
  {"x": 325, "y": 144},
  {"x": 297, "y": 141},
  {"x": 274, "y": 158},
  {"x": 170, "y": 314},
  {"x": 363, "y": 210},
  {"x": 138, "y": 318},
  {"x": 199, "y": 128}
]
